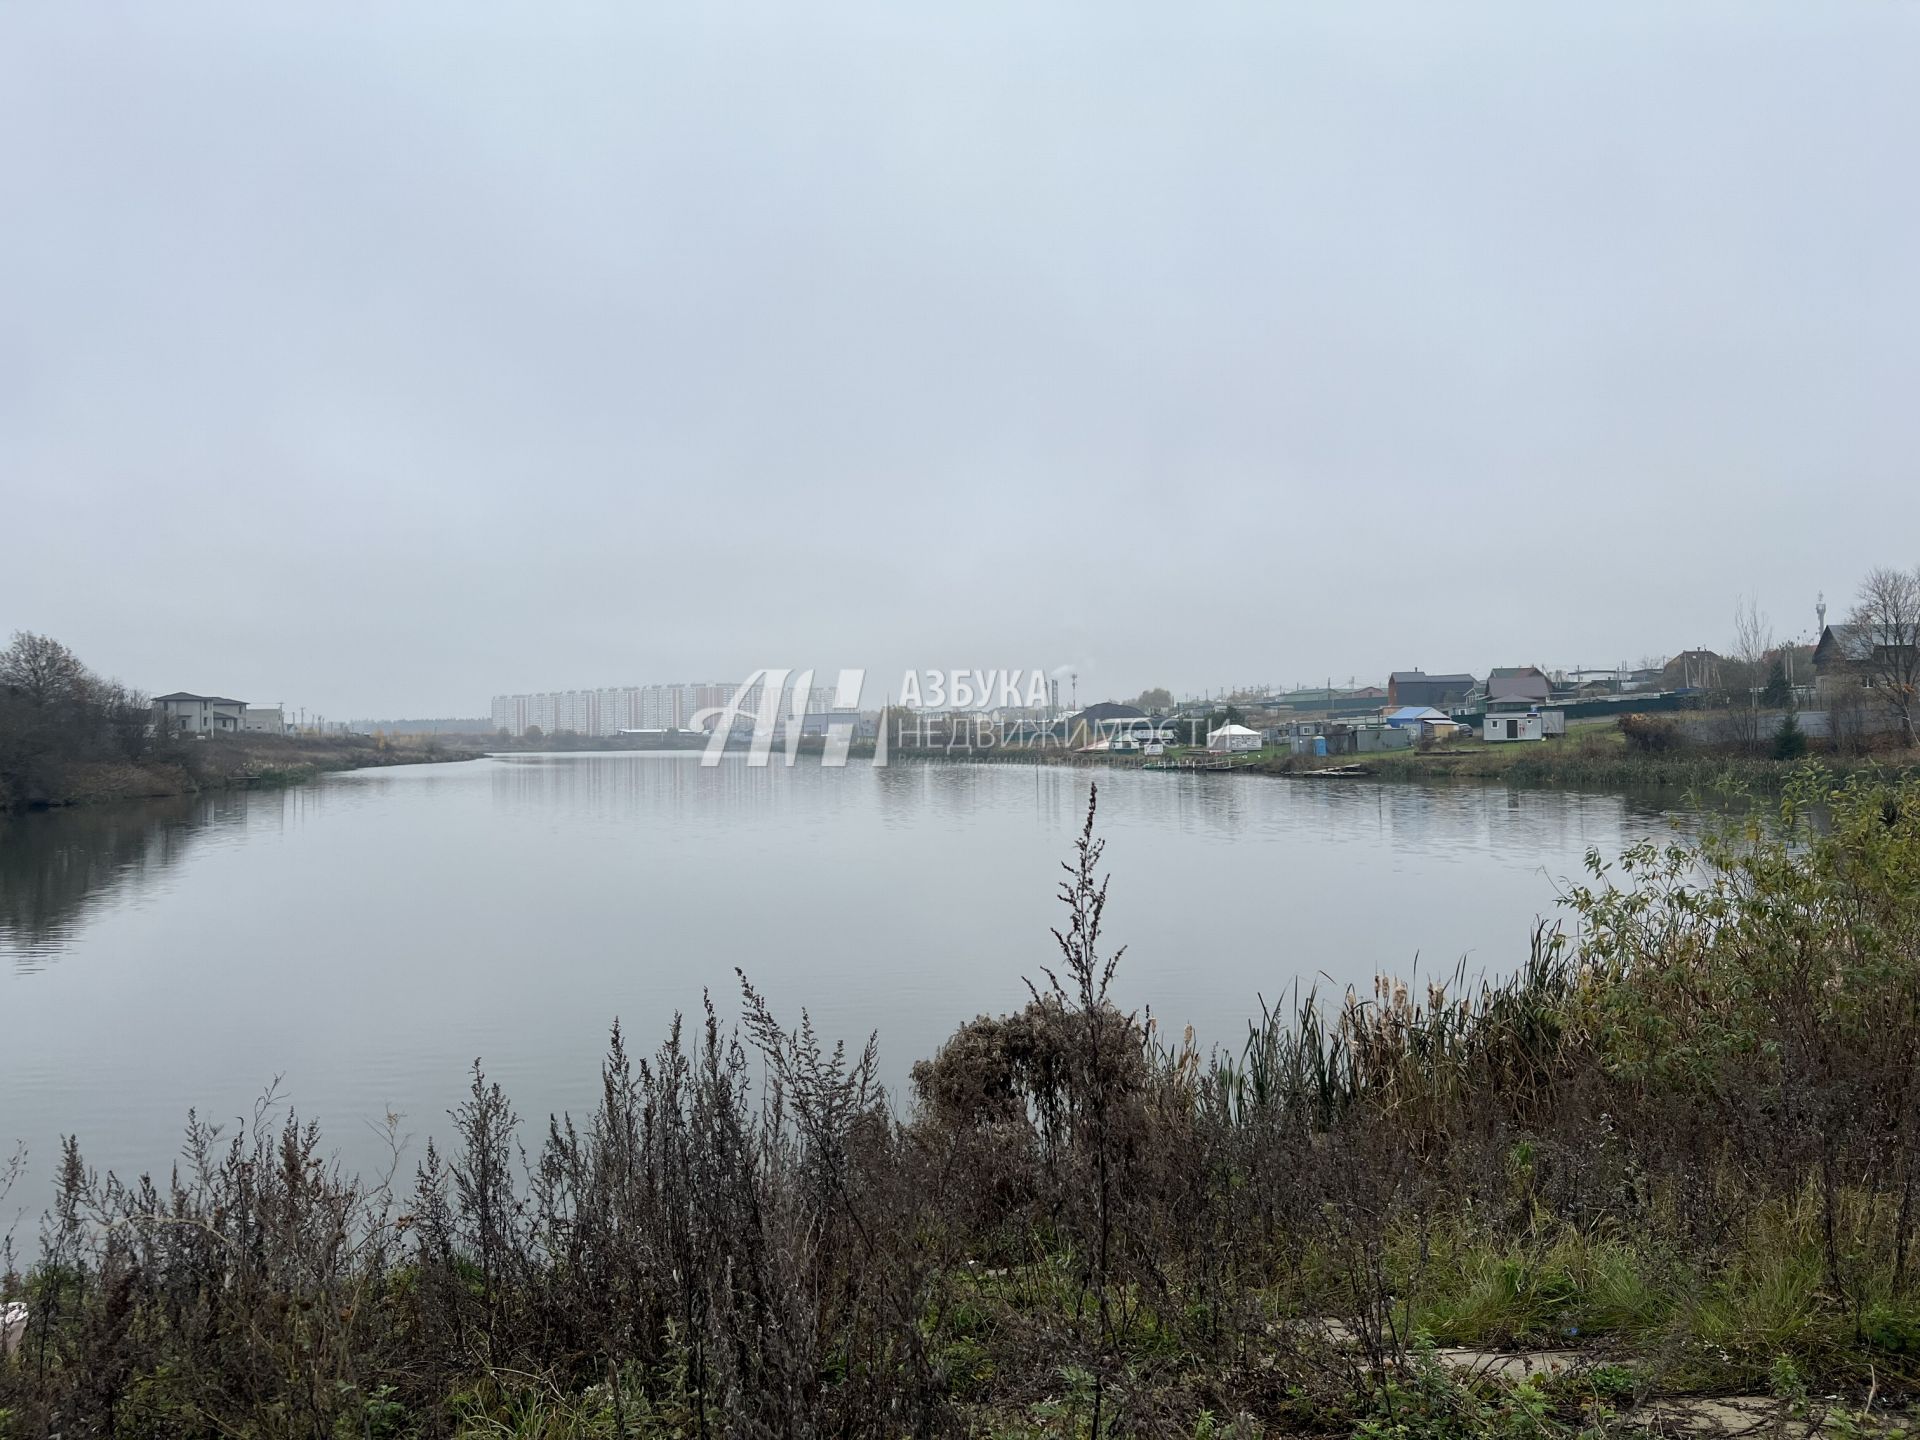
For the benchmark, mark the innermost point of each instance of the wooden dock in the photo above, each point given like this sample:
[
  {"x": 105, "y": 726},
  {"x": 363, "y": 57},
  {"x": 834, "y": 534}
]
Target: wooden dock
[{"x": 1202, "y": 764}]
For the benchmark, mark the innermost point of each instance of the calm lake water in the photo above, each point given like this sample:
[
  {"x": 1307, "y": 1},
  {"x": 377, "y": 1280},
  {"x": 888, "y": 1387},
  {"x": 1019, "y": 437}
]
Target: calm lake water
[{"x": 365, "y": 938}]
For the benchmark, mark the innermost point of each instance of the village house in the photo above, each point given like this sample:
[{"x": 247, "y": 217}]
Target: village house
[
  {"x": 1511, "y": 686},
  {"x": 1416, "y": 687},
  {"x": 1851, "y": 654},
  {"x": 1107, "y": 721},
  {"x": 184, "y": 713},
  {"x": 264, "y": 720},
  {"x": 1106, "y": 710},
  {"x": 1692, "y": 670}
]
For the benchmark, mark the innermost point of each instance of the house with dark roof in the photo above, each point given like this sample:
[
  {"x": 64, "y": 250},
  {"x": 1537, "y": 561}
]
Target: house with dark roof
[
  {"x": 1510, "y": 686},
  {"x": 1105, "y": 710},
  {"x": 184, "y": 713},
  {"x": 1856, "y": 652},
  {"x": 1109, "y": 721},
  {"x": 1692, "y": 670},
  {"x": 1416, "y": 687}
]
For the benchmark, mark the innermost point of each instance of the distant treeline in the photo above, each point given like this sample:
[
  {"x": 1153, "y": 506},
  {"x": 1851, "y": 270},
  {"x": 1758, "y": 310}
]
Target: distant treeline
[{"x": 478, "y": 725}]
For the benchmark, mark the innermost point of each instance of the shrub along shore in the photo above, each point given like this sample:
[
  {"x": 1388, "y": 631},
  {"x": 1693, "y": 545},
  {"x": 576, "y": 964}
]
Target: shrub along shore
[{"x": 1681, "y": 1144}]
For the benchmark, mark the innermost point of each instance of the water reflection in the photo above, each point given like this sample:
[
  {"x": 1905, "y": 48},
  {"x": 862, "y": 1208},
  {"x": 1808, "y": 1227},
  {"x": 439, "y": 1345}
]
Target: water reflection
[
  {"x": 56, "y": 868},
  {"x": 367, "y": 936},
  {"x": 673, "y": 790}
]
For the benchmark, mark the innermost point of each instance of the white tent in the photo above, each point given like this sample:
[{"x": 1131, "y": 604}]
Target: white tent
[{"x": 1230, "y": 739}]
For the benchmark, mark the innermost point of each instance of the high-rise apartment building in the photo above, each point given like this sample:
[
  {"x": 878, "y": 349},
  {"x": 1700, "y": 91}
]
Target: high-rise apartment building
[{"x": 600, "y": 713}]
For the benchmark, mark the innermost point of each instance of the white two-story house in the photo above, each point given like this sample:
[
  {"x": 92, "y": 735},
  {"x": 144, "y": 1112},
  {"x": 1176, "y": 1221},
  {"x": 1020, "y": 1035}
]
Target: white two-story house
[{"x": 184, "y": 714}]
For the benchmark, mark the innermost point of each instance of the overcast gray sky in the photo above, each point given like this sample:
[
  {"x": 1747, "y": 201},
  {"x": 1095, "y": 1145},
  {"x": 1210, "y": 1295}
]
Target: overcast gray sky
[{"x": 378, "y": 359}]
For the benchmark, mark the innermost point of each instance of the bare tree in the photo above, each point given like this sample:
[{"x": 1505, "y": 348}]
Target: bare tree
[
  {"x": 1752, "y": 639},
  {"x": 41, "y": 670},
  {"x": 1752, "y": 644},
  {"x": 1883, "y": 646},
  {"x": 55, "y": 713}
]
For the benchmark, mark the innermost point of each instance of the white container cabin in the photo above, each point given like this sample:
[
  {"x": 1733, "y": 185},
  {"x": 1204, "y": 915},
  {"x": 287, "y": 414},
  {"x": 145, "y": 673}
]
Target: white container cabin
[{"x": 1518, "y": 725}]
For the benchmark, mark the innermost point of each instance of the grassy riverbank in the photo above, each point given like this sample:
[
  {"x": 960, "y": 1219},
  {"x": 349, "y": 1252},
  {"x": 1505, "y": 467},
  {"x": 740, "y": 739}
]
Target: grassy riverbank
[
  {"x": 1599, "y": 756},
  {"x": 1594, "y": 756},
  {"x": 1679, "y": 1150},
  {"x": 233, "y": 762}
]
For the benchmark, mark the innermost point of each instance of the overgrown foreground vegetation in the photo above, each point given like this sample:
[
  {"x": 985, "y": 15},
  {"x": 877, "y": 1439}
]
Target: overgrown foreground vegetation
[{"x": 1681, "y": 1141}]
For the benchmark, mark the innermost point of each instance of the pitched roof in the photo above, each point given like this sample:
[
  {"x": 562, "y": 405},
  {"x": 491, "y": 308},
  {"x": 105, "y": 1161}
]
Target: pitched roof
[
  {"x": 1858, "y": 642},
  {"x": 1421, "y": 677},
  {"x": 1517, "y": 682},
  {"x": 189, "y": 695}
]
